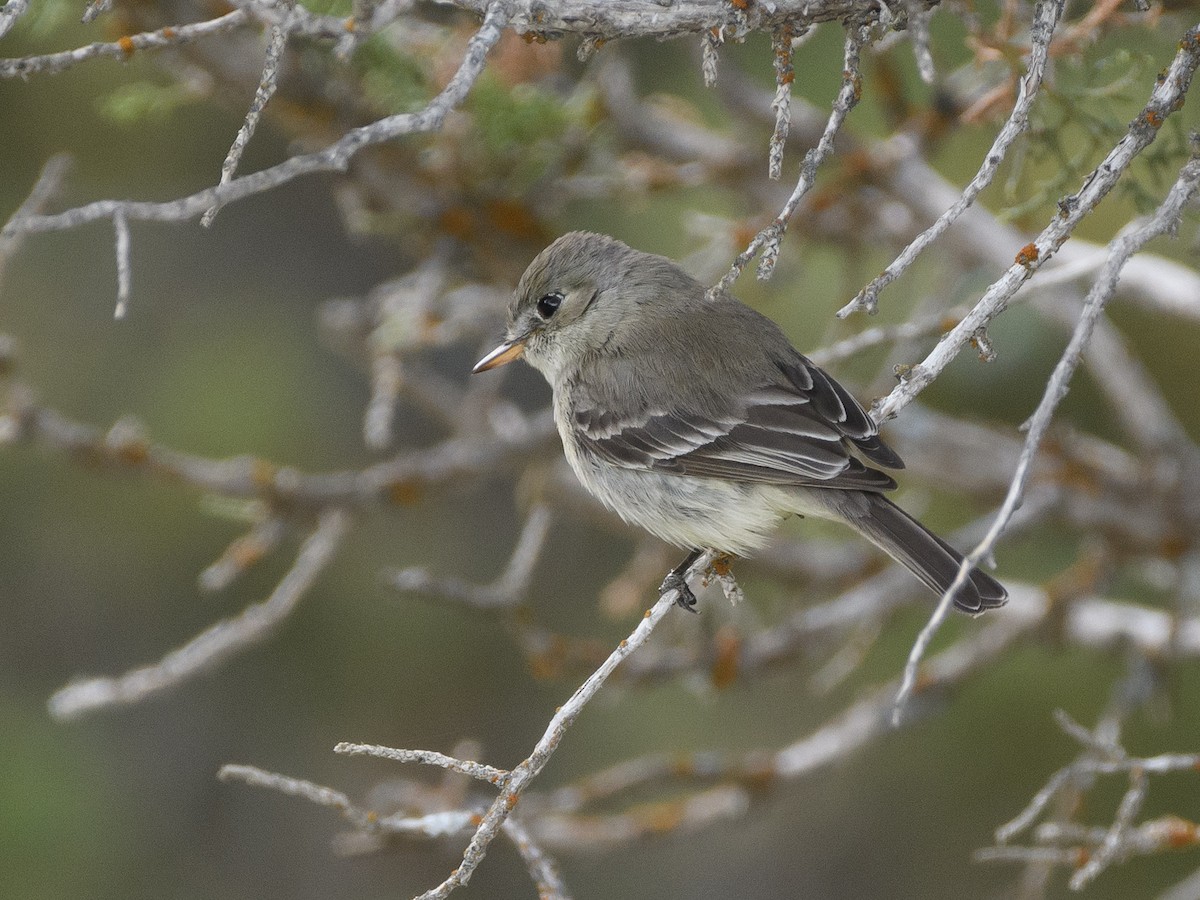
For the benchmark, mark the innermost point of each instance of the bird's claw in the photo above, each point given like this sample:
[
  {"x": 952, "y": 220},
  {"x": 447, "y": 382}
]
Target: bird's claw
[{"x": 684, "y": 598}]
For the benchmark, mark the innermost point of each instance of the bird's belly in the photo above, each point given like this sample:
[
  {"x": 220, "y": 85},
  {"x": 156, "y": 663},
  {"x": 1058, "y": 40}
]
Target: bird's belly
[{"x": 689, "y": 512}]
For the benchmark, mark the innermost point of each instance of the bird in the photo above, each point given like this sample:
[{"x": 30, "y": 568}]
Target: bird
[{"x": 694, "y": 417}]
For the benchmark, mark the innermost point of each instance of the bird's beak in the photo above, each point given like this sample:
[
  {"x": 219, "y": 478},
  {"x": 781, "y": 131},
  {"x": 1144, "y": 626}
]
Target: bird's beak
[{"x": 505, "y": 353}]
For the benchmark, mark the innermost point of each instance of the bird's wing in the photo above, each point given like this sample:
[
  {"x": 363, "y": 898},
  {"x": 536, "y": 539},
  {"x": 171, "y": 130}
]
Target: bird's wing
[{"x": 797, "y": 430}]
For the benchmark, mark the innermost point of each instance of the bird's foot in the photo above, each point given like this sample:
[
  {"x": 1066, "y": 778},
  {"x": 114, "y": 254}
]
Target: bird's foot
[{"x": 675, "y": 581}]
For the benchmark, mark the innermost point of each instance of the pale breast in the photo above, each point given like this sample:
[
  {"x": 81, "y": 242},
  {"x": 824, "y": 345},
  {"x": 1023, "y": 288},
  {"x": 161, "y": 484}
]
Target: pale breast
[{"x": 687, "y": 511}]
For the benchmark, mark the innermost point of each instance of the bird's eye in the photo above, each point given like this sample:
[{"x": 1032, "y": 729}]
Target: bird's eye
[{"x": 549, "y": 305}]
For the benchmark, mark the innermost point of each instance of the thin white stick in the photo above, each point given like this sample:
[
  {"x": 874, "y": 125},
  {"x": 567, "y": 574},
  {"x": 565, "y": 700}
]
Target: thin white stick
[
  {"x": 767, "y": 240},
  {"x": 267, "y": 84},
  {"x": 1165, "y": 100},
  {"x": 219, "y": 641},
  {"x": 532, "y": 766},
  {"x": 124, "y": 275},
  {"x": 1045, "y": 18},
  {"x": 1164, "y": 221}
]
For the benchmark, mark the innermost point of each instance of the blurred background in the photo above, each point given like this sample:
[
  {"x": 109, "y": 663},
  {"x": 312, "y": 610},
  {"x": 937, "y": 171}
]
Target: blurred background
[{"x": 221, "y": 354}]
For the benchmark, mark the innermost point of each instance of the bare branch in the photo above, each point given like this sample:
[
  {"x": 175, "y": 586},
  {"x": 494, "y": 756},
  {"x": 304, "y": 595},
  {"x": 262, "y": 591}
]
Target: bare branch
[
  {"x": 334, "y": 158},
  {"x": 266, "y": 89},
  {"x": 95, "y": 9},
  {"x": 398, "y": 480},
  {"x": 1166, "y": 98},
  {"x": 1101, "y": 847},
  {"x": 1045, "y": 18},
  {"x": 125, "y": 47},
  {"x": 216, "y": 644},
  {"x": 297, "y": 787},
  {"x": 510, "y": 586},
  {"x": 611, "y": 19},
  {"x": 475, "y": 770},
  {"x": 243, "y": 553},
  {"x": 542, "y": 869},
  {"x": 10, "y": 12},
  {"x": 49, "y": 182},
  {"x": 785, "y": 74},
  {"x": 124, "y": 276},
  {"x": 767, "y": 240},
  {"x": 1162, "y": 222},
  {"x": 563, "y": 718}
]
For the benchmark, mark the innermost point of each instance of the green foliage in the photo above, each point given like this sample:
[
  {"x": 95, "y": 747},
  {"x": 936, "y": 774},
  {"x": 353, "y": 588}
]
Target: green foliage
[
  {"x": 139, "y": 101},
  {"x": 391, "y": 81},
  {"x": 518, "y": 131},
  {"x": 1080, "y": 115},
  {"x": 328, "y": 7},
  {"x": 49, "y": 17}
]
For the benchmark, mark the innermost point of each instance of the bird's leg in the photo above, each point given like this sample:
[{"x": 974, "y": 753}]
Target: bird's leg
[{"x": 677, "y": 580}]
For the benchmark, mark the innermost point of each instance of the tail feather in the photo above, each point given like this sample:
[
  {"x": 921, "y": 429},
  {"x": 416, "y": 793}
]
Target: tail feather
[{"x": 924, "y": 554}]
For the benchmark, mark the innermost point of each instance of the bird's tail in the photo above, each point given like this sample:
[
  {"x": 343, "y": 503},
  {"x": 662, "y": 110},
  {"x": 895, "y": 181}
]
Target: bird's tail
[{"x": 924, "y": 554}]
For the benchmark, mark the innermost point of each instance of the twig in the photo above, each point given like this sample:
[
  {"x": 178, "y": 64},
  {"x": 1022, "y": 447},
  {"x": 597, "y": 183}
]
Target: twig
[
  {"x": 267, "y": 84},
  {"x": 1101, "y": 755},
  {"x": 1166, "y": 98},
  {"x": 785, "y": 74},
  {"x": 95, "y": 9},
  {"x": 1045, "y": 18},
  {"x": 510, "y": 586},
  {"x": 767, "y": 240},
  {"x": 531, "y": 767},
  {"x": 10, "y": 12},
  {"x": 475, "y": 770},
  {"x": 243, "y": 553},
  {"x": 1162, "y": 222},
  {"x": 919, "y": 17},
  {"x": 1133, "y": 397},
  {"x": 334, "y": 158},
  {"x": 924, "y": 326},
  {"x": 124, "y": 275},
  {"x": 49, "y": 182},
  {"x": 172, "y": 36},
  {"x": 401, "y": 479},
  {"x": 218, "y": 642},
  {"x": 542, "y": 869},
  {"x": 710, "y": 44},
  {"x": 298, "y": 787},
  {"x": 610, "y": 21}
]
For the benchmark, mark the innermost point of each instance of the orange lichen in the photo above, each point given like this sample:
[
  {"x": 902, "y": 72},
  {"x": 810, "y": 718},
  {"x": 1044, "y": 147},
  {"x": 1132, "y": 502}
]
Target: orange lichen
[
  {"x": 262, "y": 473},
  {"x": 660, "y": 817},
  {"x": 1181, "y": 833},
  {"x": 169, "y": 33},
  {"x": 404, "y": 492},
  {"x": 126, "y": 44},
  {"x": 1028, "y": 255},
  {"x": 457, "y": 221},
  {"x": 246, "y": 551},
  {"x": 728, "y": 645},
  {"x": 132, "y": 451},
  {"x": 513, "y": 218},
  {"x": 855, "y": 84}
]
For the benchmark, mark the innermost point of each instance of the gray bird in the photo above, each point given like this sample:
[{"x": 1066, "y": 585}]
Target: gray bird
[{"x": 696, "y": 418}]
